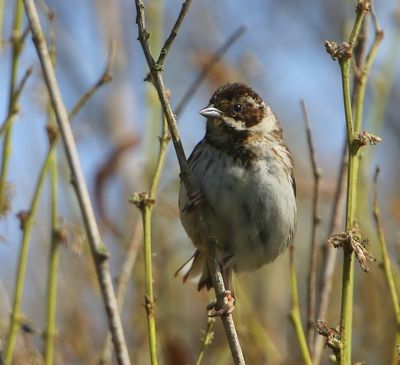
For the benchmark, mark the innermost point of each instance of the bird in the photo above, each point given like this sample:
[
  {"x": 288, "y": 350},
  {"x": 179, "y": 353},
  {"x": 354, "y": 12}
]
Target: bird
[{"x": 244, "y": 174}]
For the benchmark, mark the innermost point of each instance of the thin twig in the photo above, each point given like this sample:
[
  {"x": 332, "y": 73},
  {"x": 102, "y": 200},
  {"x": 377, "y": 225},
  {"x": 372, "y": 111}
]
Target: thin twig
[
  {"x": 190, "y": 186},
  {"x": 387, "y": 266},
  {"x": 206, "y": 340},
  {"x": 295, "y": 315},
  {"x": 99, "y": 251},
  {"x": 104, "y": 79},
  {"x": 207, "y": 68},
  {"x": 329, "y": 259},
  {"x": 13, "y": 112},
  {"x": 17, "y": 45},
  {"x": 174, "y": 32},
  {"x": 316, "y": 220},
  {"x": 26, "y": 218},
  {"x": 122, "y": 283}
]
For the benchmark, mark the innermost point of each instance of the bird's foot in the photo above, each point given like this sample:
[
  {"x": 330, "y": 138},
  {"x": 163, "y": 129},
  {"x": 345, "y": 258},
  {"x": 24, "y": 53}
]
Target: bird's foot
[{"x": 227, "y": 308}]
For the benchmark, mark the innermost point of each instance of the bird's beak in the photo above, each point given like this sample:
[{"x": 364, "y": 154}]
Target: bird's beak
[{"x": 210, "y": 111}]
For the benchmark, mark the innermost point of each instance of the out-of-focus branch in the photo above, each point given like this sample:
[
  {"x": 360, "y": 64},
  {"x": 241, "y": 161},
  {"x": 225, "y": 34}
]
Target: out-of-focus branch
[
  {"x": 15, "y": 98},
  {"x": 26, "y": 219},
  {"x": 206, "y": 340},
  {"x": 105, "y": 78},
  {"x": 99, "y": 251},
  {"x": 17, "y": 45},
  {"x": 174, "y": 32},
  {"x": 316, "y": 220},
  {"x": 295, "y": 316},
  {"x": 387, "y": 266},
  {"x": 188, "y": 182},
  {"x": 207, "y": 68},
  {"x": 329, "y": 261}
]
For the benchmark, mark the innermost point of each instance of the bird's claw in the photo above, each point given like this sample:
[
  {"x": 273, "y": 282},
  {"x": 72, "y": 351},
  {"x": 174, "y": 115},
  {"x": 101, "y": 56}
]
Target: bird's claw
[{"x": 227, "y": 308}]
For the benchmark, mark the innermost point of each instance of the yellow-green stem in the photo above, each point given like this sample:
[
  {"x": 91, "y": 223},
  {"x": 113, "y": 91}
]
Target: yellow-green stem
[
  {"x": 149, "y": 300},
  {"x": 53, "y": 265},
  {"x": 346, "y": 318},
  {"x": 295, "y": 315},
  {"x": 7, "y": 145},
  {"x": 146, "y": 215},
  {"x": 27, "y": 225}
]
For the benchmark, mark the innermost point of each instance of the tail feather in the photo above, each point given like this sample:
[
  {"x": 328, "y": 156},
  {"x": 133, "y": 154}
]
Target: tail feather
[{"x": 198, "y": 267}]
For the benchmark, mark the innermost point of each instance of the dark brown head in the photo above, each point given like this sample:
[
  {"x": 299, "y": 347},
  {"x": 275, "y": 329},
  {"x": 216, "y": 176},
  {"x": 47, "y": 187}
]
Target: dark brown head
[{"x": 237, "y": 105}]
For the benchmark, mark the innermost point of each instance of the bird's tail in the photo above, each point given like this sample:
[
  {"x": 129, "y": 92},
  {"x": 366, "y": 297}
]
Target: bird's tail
[{"x": 198, "y": 267}]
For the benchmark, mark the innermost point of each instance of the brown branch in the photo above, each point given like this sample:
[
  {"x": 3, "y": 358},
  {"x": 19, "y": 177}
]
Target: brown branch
[
  {"x": 122, "y": 282},
  {"x": 207, "y": 68},
  {"x": 316, "y": 220},
  {"x": 98, "y": 249},
  {"x": 190, "y": 185},
  {"x": 330, "y": 253},
  {"x": 174, "y": 32}
]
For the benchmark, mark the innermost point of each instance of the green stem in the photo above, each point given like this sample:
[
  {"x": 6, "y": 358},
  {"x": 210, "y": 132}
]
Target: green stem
[
  {"x": 53, "y": 265},
  {"x": 27, "y": 225},
  {"x": 348, "y": 259},
  {"x": 7, "y": 145},
  {"x": 147, "y": 214},
  {"x": 149, "y": 296},
  {"x": 295, "y": 315}
]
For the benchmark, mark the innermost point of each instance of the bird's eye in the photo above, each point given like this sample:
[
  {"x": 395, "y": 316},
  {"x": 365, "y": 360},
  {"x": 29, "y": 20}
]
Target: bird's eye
[{"x": 237, "y": 108}]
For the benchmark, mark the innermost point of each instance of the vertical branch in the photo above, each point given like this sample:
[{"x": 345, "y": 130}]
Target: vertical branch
[
  {"x": 145, "y": 202},
  {"x": 329, "y": 261},
  {"x": 122, "y": 282},
  {"x": 206, "y": 340},
  {"x": 26, "y": 218},
  {"x": 99, "y": 251},
  {"x": 7, "y": 145},
  {"x": 312, "y": 273},
  {"x": 53, "y": 261},
  {"x": 155, "y": 71},
  {"x": 295, "y": 316},
  {"x": 387, "y": 266},
  {"x": 344, "y": 52}
]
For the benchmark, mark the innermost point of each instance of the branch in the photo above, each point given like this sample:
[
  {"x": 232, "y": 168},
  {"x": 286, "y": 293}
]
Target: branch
[
  {"x": 329, "y": 260},
  {"x": 295, "y": 316},
  {"x": 207, "y": 68},
  {"x": 316, "y": 220},
  {"x": 387, "y": 266},
  {"x": 189, "y": 183},
  {"x": 174, "y": 32},
  {"x": 99, "y": 251}
]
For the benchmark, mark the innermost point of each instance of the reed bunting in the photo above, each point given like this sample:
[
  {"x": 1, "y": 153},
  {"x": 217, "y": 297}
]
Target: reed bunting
[{"x": 244, "y": 173}]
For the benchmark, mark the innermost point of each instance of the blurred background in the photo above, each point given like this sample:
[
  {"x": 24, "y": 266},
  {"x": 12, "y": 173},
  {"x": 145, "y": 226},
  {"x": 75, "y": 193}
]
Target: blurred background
[{"x": 281, "y": 55}]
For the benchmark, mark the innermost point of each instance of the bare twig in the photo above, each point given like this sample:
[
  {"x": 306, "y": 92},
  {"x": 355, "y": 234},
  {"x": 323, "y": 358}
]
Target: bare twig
[
  {"x": 295, "y": 315},
  {"x": 387, "y": 266},
  {"x": 189, "y": 183},
  {"x": 207, "y": 68},
  {"x": 122, "y": 282},
  {"x": 206, "y": 340},
  {"x": 15, "y": 108},
  {"x": 99, "y": 251},
  {"x": 104, "y": 79},
  {"x": 316, "y": 220},
  {"x": 174, "y": 32},
  {"x": 329, "y": 259}
]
